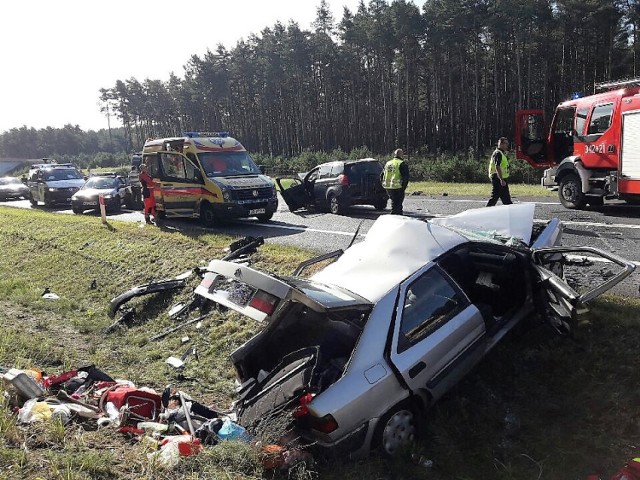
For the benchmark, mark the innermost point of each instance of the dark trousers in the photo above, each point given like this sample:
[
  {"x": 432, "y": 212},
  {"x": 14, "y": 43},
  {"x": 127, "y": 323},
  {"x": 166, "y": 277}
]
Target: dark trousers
[
  {"x": 499, "y": 192},
  {"x": 397, "y": 197}
]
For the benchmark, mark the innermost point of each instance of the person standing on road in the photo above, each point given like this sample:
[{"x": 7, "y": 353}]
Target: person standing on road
[
  {"x": 147, "y": 194},
  {"x": 499, "y": 173},
  {"x": 395, "y": 178}
]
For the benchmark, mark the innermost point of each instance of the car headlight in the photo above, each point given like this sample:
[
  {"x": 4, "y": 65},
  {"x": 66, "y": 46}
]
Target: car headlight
[
  {"x": 108, "y": 196},
  {"x": 226, "y": 194},
  {"x": 51, "y": 189}
]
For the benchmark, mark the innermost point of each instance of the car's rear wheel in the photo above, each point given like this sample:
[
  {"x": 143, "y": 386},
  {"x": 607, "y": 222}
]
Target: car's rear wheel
[
  {"x": 334, "y": 205},
  {"x": 397, "y": 429},
  {"x": 207, "y": 217}
]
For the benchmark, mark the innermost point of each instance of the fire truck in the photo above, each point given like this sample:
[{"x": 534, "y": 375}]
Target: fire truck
[{"x": 592, "y": 148}]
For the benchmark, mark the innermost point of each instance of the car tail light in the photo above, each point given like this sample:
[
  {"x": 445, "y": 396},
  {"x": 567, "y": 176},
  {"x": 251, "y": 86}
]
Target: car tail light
[
  {"x": 326, "y": 424},
  {"x": 302, "y": 409},
  {"x": 264, "y": 302},
  {"x": 343, "y": 180}
]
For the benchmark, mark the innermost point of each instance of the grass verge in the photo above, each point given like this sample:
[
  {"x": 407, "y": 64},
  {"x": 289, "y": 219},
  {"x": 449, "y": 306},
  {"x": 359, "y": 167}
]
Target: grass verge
[
  {"x": 539, "y": 406},
  {"x": 476, "y": 189}
]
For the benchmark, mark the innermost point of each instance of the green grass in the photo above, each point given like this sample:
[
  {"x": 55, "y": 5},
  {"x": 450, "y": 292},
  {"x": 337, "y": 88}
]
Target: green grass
[
  {"x": 573, "y": 400},
  {"x": 476, "y": 189}
]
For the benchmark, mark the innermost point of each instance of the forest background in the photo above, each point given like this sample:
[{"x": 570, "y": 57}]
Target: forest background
[{"x": 442, "y": 81}]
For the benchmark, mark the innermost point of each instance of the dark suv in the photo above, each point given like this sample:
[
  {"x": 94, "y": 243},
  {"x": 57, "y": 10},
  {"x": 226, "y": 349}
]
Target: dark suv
[
  {"x": 53, "y": 183},
  {"x": 335, "y": 186}
]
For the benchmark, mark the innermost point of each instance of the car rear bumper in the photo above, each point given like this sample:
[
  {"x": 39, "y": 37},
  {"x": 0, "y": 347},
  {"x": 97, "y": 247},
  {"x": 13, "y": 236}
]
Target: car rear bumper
[{"x": 355, "y": 444}]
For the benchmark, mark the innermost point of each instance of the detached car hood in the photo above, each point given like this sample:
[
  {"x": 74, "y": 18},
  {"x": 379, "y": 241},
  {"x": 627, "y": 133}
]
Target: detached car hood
[{"x": 243, "y": 181}]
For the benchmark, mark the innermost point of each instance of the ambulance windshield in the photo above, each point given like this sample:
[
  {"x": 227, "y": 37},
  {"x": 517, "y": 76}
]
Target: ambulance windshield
[{"x": 224, "y": 164}]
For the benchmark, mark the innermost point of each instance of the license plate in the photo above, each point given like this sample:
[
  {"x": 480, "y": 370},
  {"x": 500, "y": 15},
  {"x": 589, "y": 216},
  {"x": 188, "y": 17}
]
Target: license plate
[
  {"x": 257, "y": 211},
  {"x": 90, "y": 203}
]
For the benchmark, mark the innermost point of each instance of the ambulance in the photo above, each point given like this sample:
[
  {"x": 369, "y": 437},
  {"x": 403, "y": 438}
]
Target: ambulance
[{"x": 210, "y": 176}]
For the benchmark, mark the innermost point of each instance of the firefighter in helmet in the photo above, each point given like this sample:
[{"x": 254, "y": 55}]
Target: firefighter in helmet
[
  {"x": 499, "y": 173},
  {"x": 395, "y": 178}
]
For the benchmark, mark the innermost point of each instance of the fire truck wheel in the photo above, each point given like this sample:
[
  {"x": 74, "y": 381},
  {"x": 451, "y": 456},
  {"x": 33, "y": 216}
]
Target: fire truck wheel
[{"x": 570, "y": 192}]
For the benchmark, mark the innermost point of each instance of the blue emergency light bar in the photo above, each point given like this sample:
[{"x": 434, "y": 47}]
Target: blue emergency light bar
[
  {"x": 576, "y": 95},
  {"x": 206, "y": 134}
]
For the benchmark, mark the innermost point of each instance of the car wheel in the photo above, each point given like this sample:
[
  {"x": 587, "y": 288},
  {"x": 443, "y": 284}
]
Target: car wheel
[
  {"x": 334, "y": 205},
  {"x": 397, "y": 429},
  {"x": 207, "y": 217},
  {"x": 117, "y": 207},
  {"x": 77, "y": 210},
  {"x": 48, "y": 203},
  {"x": 570, "y": 192},
  {"x": 380, "y": 204},
  {"x": 265, "y": 217}
]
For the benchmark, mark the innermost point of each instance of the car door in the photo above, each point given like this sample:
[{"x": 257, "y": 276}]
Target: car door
[
  {"x": 438, "y": 334},
  {"x": 559, "y": 303},
  {"x": 180, "y": 184},
  {"x": 293, "y": 192}
]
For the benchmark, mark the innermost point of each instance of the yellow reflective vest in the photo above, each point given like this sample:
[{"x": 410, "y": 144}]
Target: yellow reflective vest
[
  {"x": 504, "y": 164},
  {"x": 391, "y": 177}
]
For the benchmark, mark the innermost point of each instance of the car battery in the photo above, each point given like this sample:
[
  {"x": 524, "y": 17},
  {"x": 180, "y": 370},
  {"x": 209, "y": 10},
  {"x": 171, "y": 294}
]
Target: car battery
[{"x": 135, "y": 404}]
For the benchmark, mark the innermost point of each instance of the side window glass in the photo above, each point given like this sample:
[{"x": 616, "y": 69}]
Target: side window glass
[
  {"x": 581, "y": 119},
  {"x": 191, "y": 171},
  {"x": 600, "y": 119},
  {"x": 337, "y": 169},
  {"x": 430, "y": 302},
  {"x": 172, "y": 165},
  {"x": 324, "y": 171}
]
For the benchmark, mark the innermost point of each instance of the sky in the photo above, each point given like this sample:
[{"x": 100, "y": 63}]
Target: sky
[{"x": 57, "y": 55}]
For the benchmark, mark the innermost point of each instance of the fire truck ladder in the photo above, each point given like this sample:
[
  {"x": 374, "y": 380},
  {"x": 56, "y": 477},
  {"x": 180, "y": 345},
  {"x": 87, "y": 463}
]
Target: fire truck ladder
[{"x": 606, "y": 86}]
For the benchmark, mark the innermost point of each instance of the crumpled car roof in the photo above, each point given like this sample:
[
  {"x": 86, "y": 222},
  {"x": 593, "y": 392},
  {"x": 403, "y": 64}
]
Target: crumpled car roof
[
  {"x": 393, "y": 249},
  {"x": 395, "y": 246}
]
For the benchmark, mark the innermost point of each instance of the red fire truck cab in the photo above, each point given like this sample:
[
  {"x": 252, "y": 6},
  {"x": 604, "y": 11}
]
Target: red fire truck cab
[{"x": 592, "y": 149}]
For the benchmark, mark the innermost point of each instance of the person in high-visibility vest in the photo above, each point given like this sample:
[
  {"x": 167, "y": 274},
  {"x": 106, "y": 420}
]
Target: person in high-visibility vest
[
  {"x": 499, "y": 173},
  {"x": 395, "y": 178}
]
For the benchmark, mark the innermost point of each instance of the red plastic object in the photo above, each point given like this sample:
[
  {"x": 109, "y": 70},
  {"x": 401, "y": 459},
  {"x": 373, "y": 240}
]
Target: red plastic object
[{"x": 140, "y": 403}]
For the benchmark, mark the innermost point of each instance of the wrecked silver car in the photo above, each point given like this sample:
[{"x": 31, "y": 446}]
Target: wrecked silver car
[{"x": 356, "y": 353}]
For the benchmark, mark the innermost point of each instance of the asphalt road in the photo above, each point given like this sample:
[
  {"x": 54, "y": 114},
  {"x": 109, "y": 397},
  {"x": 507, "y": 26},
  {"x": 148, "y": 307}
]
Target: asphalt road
[{"x": 614, "y": 228}]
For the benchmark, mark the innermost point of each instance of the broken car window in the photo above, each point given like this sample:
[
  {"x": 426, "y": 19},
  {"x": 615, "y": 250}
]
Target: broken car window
[{"x": 430, "y": 301}]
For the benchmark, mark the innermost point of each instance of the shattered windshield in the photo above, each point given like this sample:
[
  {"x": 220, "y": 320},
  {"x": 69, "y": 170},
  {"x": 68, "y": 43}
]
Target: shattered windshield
[{"x": 223, "y": 164}]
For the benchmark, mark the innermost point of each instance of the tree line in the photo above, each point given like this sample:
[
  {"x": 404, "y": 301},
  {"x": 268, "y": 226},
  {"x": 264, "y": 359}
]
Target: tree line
[{"x": 446, "y": 76}]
